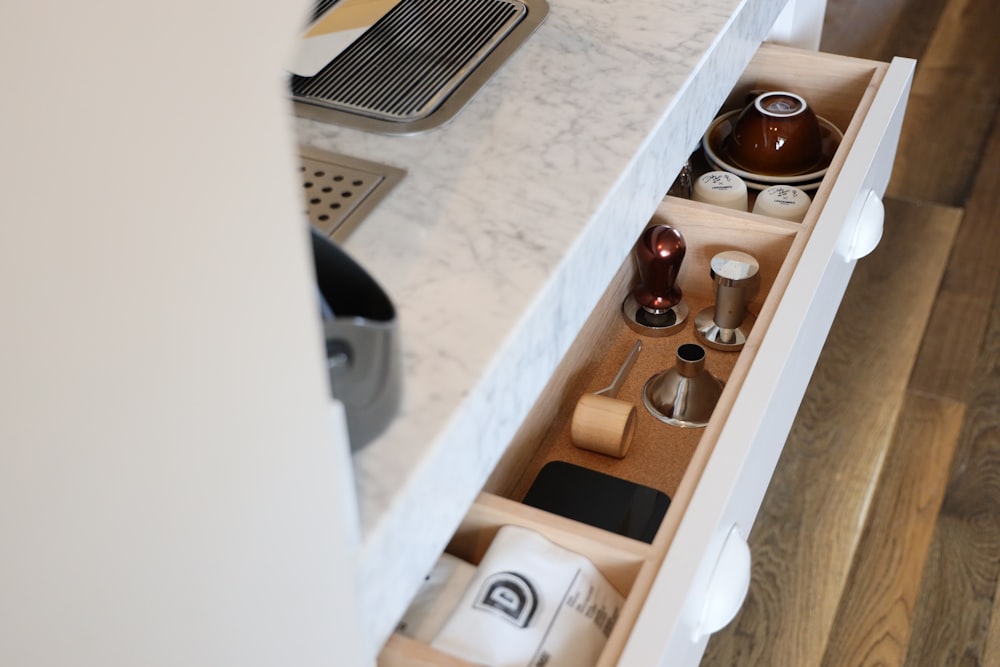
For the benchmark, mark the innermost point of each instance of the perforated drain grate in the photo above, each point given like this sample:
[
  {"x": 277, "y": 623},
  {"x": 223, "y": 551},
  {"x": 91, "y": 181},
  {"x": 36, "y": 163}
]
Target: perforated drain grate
[{"x": 340, "y": 190}]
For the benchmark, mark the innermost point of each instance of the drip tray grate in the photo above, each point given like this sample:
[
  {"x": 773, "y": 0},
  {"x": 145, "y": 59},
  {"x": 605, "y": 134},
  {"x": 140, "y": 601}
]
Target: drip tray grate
[
  {"x": 340, "y": 190},
  {"x": 417, "y": 65}
]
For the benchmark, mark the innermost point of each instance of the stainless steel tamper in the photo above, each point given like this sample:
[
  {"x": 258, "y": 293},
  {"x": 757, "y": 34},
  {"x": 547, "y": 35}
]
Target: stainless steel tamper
[
  {"x": 725, "y": 325},
  {"x": 655, "y": 306}
]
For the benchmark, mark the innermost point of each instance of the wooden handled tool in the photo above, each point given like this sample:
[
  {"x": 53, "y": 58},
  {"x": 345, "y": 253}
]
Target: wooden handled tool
[{"x": 603, "y": 423}]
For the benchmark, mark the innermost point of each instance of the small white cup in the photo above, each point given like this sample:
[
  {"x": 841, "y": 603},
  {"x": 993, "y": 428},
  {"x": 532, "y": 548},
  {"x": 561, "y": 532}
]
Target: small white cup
[
  {"x": 722, "y": 189},
  {"x": 783, "y": 201}
]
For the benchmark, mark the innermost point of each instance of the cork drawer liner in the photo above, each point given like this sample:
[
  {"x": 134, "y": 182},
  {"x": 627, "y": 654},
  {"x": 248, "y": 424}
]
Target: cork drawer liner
[{"x": 665, "y": 457}]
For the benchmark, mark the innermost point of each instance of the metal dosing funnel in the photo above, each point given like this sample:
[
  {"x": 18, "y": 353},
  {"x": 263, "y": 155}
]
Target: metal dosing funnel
[{"x": 686, "y": 394}]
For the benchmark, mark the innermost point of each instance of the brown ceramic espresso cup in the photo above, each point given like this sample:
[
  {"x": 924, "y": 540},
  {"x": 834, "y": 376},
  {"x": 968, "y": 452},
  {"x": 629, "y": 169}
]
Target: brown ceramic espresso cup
[{"x": 777, "y": 134}]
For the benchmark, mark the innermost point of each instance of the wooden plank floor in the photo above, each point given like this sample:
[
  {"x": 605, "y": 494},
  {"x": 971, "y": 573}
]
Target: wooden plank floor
[
  {"x": 807, "y": 531},
  {"x": 878, "y": 542}
]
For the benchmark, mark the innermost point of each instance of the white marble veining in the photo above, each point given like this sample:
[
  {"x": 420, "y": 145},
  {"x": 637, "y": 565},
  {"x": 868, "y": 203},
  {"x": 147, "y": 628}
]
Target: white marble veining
[{"x": 507, "y": 228}]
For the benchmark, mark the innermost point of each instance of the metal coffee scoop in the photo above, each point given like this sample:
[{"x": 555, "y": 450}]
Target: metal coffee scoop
[{"x": 603, "y": 423}]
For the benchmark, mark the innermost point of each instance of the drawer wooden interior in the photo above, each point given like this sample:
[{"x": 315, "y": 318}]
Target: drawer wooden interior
[
  {"x": 660, "y": 452},
  {"x": 838, "y": 88},
  {"x": 835, "y": 86},
  {"x": 665, "y": 457}
]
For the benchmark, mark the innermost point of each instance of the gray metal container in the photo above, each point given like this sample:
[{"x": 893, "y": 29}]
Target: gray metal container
[{"x": 362, "y": 342}]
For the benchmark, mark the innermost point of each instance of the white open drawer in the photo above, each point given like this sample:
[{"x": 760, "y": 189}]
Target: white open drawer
[{"x": 716, "y": 477}]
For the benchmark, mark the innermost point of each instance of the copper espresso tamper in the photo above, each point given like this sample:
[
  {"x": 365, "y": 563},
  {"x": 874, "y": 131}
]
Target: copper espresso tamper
[
  {"x": 725, "y": 325},
  {"x": 655, "y": 307}
]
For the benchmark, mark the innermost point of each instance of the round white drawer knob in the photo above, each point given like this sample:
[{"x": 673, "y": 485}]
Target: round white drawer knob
[
  {"x": 867, "y": 231},
  {"x": 727, "y": 587}
]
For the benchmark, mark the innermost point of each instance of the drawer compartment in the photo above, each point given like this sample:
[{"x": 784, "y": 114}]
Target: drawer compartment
[
  {"x": 715, "y": 476},
  {"x": 619, "y": 559},
  {"x": 661, "y": 452}
]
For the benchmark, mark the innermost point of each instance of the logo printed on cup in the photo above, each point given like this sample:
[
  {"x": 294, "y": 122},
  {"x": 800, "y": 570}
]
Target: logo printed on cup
[{"x": 722, "y": 189}]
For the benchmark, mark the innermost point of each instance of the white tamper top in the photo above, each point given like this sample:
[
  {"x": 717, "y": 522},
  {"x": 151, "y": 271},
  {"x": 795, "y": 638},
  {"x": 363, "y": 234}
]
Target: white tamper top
[
  {"x": 783, "y": 201},
  {"x": 722, "y": 189}
]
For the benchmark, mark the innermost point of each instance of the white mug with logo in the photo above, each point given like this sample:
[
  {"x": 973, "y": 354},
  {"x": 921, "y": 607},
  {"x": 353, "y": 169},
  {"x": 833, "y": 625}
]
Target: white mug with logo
[
  {"x": 786, "y": 202},
  {"x": 721, "y": 189}
]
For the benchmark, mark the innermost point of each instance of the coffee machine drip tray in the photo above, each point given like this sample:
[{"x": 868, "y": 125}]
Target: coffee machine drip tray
[{"x": 417, "y": 65}]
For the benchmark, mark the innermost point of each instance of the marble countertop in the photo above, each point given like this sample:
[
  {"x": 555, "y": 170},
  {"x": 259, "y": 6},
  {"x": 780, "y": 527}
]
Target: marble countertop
[{"x": 508, "y": 226}]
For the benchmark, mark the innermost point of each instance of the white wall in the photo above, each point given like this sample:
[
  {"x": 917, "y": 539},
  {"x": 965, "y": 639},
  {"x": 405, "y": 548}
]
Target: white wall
[
  {"x": 167, "y": 452},
  {"x": 800, "y": 24}
]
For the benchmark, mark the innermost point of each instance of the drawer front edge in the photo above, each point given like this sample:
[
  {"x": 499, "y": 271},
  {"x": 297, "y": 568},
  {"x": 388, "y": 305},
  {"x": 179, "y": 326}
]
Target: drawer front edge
[{"x": 738, "y": 472}]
